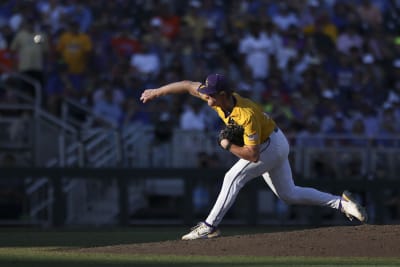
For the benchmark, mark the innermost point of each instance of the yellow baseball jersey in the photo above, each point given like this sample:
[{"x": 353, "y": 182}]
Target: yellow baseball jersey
[
  {"x": 74, "y": 49},
  {"x": 257, "y": 125}
]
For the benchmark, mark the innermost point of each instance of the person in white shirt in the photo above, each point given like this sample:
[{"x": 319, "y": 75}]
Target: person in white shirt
[
  {"x": 348, "y": 39},
  {"x": 285, "y": 18},
  {"x": 256, "y": 48},
  {"x": 99, "y": 94},
  {"x": 146, "y": 63},
  {"x": 192, "y": 117}
]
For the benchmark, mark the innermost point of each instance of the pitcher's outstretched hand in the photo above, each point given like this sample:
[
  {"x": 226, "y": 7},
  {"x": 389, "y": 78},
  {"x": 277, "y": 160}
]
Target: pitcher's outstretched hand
[{"x": 148, "y": 95}]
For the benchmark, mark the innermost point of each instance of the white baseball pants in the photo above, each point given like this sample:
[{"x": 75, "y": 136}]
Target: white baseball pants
[{"x": 274, "y": 167}]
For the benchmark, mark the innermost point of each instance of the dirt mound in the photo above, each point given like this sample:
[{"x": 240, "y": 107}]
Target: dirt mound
[{"x": 343, "y": 241}]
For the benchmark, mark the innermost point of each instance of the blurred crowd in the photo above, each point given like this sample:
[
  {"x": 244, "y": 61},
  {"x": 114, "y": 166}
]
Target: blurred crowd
[{"x": 318, "y": 66}]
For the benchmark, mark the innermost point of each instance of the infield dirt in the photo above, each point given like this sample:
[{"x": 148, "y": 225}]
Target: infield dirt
[{"x": 339, "y": 241}]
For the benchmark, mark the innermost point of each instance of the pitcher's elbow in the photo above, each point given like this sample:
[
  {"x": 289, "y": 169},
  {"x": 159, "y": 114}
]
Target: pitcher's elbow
[{"x": 254, "y": 158}]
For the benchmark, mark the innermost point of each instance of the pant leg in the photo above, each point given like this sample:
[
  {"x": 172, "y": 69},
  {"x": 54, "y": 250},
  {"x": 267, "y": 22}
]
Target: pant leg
[
  {"x": 242, "y": 172},
  {"x": 281, "y": 183},
  {"x": 280, "y": 180}
]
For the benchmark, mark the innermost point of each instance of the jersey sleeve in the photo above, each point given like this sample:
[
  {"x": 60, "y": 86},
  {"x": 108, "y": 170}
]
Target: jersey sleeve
[{"x": 251, "y": 136}]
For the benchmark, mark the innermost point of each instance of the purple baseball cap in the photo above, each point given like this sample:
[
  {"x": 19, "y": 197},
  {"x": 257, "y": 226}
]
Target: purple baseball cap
[{"x": 215, "y": 83}]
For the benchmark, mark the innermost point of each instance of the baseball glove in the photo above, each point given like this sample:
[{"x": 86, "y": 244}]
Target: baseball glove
[{"x": 233, "y": 133}]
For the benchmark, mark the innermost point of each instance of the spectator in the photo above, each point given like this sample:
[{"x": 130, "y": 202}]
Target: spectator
[
  {"x": 246, "y": 83},
  {"x": 285, "y": 17},
  {"x": 391, "y": 22},
  {"x": 195, "y": 22},
  {"x": 308, "y": 14},
  {"x": 21, "y": 12},
  {"x": 388, "y": 114},
  {"x": 340, "y": 11},
  {"x": 164, "y": 125},
  {"x": 133, "y": 113},
  {"x": 344, "y": 75},
  {"x": 369, "y": 80},
  {"x": 74, "y": 49},
  {"x": 52, "y": 13},
  {"x": 124, "y": 44},
  {"x": 57, "y": 86},
  {"x": 278, "y": 104},
  {"x": 393, "y": 98},
  {"x": 359, "y": 136},
  {"x": 146, "y": 64},
  {"x": 348, "y": 39},
  {"x": 327, "y": 115},
  {"x": 107, "y": 105},
  {"x": 168, "y": 20},
  {"x": 323, "y": 35},
  {"x": 256, "y": 47},
  {"x": 288, "y": 51},
  {"x": 107, "y": 87},
  {"x": 388, "y": 127},
  {"x": 192, "y": 117},
  {"x": 213, "y": 13},
  {"x": 311, "y": 135},
  {"x": 377, "y": 45},
  {"x": 7, "y": 63},
  {"x": 31, "y": 48},
  {"x": 82, "y": 14},
  {"x": 370, "y": 119},
  {"x": 338, "y": 131},
  {"x": 370, "y": 14},
  {"x": 353, "y": 45},
  {"x": 339, "y": 126}
]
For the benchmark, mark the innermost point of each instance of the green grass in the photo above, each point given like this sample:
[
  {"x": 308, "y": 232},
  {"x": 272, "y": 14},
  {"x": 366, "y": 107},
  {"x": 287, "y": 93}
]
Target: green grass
[{"x": 30, "y": 248}]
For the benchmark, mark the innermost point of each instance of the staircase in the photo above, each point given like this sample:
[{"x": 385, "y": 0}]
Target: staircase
[{"x": 42, "y": 139}]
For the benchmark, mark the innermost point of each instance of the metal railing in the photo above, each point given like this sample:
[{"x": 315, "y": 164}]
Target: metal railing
[
  {"x": 54, "y": 142},
  {"x": 36, "y": 98},
  {"x": 139, "y": 143},
  {"x": 80, "y": 115},
  {"x": 250, "y": 212}
]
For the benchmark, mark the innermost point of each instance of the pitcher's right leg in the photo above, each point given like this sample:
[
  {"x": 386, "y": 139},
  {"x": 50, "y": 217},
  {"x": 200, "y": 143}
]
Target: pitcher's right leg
[{"x": 234, "y": 180}]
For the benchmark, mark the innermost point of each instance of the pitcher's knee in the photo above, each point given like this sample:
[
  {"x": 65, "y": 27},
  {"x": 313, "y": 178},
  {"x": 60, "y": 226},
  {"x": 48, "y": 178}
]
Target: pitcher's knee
[{"x": 289, "y": 198}]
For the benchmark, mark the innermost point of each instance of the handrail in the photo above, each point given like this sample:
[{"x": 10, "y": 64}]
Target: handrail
[
  {"x": 90, "y": 133},
  {"x": 15, "y": 106},
  {"x": 36, "y": 85},
  {"x": 75, "y": 104},
  {"x": 53, "y": 119},
  {"x": 100, "y": 153},
  {"x": 348, "y": 136},
  {"x": 98, "y": 140}
]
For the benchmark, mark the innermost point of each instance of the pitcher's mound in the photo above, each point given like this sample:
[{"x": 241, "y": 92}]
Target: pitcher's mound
[{"x": 341, "y": 241}]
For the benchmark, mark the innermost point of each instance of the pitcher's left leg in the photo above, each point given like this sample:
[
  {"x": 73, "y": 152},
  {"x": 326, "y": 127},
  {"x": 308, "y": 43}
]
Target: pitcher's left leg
[{"x": 280, "y": 180}]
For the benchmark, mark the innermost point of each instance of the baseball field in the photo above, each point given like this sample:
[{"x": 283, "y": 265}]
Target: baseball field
[{"x": 363, "y": 245}]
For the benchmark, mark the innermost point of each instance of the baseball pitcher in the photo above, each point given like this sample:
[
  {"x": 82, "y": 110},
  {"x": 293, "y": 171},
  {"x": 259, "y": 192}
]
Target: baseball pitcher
[{"x": 262, "y": 150}]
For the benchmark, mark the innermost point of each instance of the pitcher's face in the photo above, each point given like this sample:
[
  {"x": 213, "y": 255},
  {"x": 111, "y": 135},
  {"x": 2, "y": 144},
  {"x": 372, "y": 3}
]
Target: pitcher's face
[{"x": 215, "y": 100}]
